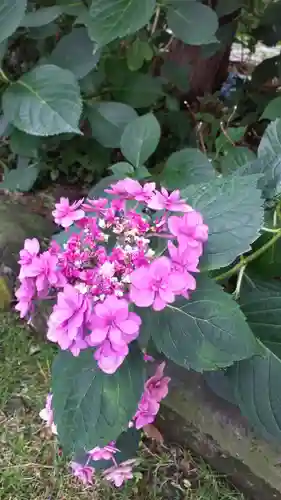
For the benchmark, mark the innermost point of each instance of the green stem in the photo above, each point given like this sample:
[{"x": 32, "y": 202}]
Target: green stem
[
  {"x": 246, "y": 260},
  {"x": 4, "y": 77}
]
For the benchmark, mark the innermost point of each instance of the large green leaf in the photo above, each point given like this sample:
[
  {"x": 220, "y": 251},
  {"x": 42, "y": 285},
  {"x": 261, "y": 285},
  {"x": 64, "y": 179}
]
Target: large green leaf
[
  {"x": 111, "y": 19},
  {"x": 92, "y": 408},
  {"x": 232, "y": 208},
  {"x": 236, "y": 158},
  {"x": 269, "y": 154},
  {"x": 262, "y": 307},
  {"x": 188, "y": 166},
  {"x": 256, "y": 385},
  {"x": 273, "y": 109},
  {"x": 108, "y": 121},
  {"x": 140, "y": 90},
  {"x": 23, "y": 144},
  {"x": 11, "y": 14},
  {"x": 193, "y": 22},
  {"x": 76, "y": 52},
  {"x": 41, "y": 17},
  {"x": 206, "y": 332},
  {"x": 140, "y": 139},
  {"x": 45, "y": 101}
]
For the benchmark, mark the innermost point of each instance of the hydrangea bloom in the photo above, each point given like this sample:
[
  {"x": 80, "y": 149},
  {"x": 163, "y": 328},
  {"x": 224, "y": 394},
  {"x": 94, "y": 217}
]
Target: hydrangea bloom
[
  {"x": 95, "y": 284},
  {"x": 120, "y": 473}
]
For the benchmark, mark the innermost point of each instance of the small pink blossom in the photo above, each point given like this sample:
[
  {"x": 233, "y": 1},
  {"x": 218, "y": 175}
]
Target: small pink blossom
[
  {"x": 157, "y": 386},
  {"x": 27, "y": 257},
  {"x": 65, "y": 213},
  {"x": 164, "y": 201},
  {"x": 95, "y": 205},
  {"x": 113, "y": 321},
  {"x": 120, "y": 473},
  {"x": 69, "y": 317},
  {"x": 148, "y": 358},
  {"x": 147, "y": 411},
  {"x": 131, "y": 189},
  {"x": 45, "y": 269},
  {"x": 25, "y": 294},
  {"x": 156, "y": 284},
  {"x": 82, "y": 472},
  {"x": 110, "y": 357},
  {"x": 106, "y": 453},
  {"x": 47, "y": 414},
  {"x": 190, "y": 229}
]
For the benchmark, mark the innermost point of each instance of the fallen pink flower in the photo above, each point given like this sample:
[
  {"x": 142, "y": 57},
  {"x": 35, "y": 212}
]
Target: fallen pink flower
[
  {"x": 120, "y": 473},
  {"x": 82, "y": 472},
  {"x": 106, "y": 453}
]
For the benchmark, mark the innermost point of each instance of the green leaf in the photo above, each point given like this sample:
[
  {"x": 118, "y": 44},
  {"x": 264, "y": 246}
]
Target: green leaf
[
  {"x": 224, "y": 8},
  {"x": 206, "y": 332},
  {"x": 108, "y": 121},
  {"x": 140, "y": 139},
  {"x": 23, "y": 144},
  {"x": 139, "y": 90},
  {"x": 234, "y": 134},
  {"x": 269, "y": 153},
  {"x": 236, "y": 158},
  {"x": 45, "y": 101},
  {"x": 188, "y": 166},
  {"x": 92, "y": 408},
  {"x": 111, "y": 19},
  {"x": 11, "y": 14},
  {"x": 41, "y": 17},
  {"x": 122, "y": 169},
  {"x": 193, "y": 23},
  {"x": 97, "y": 190},
  {"x": 21, "y": 178},
  {"x": 233, "y": 209},
  {"x": 262, "y": 308},
  {"x": 256, "y": 384},
  {"x": 272, "y": 110},
  {"x": 177, "y": 74},
  {"x": 76, "y": 52},
  {"x": 5, "y": 294}
]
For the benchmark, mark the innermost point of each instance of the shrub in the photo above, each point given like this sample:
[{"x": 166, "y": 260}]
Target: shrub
[{"x": 108, "y": 84}]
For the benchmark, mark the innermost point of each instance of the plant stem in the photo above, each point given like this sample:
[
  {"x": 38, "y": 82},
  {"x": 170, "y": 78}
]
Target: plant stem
[
  {"x": 156, "y": 19},
  {"x": 246, "y": 260},
  {"x": 4, "y": 77}
]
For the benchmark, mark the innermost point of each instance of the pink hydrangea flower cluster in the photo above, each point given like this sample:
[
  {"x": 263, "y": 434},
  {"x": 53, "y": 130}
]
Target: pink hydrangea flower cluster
[{"x": 108, "y": 265}]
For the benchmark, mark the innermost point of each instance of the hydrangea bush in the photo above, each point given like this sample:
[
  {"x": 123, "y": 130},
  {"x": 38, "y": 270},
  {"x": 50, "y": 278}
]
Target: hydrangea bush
[
  {"x": 138, "y": 249},
  {"x": 104, "y": 89}
]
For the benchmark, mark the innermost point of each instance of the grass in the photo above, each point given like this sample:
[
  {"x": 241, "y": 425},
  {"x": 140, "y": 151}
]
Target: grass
[{"x": 30, "y": 463}]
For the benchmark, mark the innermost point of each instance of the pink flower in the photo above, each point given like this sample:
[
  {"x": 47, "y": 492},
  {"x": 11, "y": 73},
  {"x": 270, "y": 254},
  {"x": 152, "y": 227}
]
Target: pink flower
[
  {"x": 147, "y": 411},
  {"x": 106, "y": 453},
  {"x": 47, "y": 414},
  {"x": 113, "y": 321},
  {"x": 156, "y": 284},
  {"x": 164, "y": 201},
  {"x": 110, "y": 357},
  {"x": 70, "y": 316},
  {"x": 97, "y": 205},
  {"x": 65, "y": 213},
  {"x": 82, "y": 472},
  {"x": 27, "y": 256},
  {"x": 189, "y": 229},
  {"x": 25, "y": 294},
  {"x": 132, "y": 189},
  {"x": 45, "y": 269},
  {"x": 184, "y": 258},
  {"x": 157, "y": 386},
  {"x": 120, "y": 473}
]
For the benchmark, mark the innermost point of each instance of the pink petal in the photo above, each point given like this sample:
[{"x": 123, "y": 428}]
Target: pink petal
[
  {"x": 142, "y": 298},
  {"x": 158, "y": 304},
  {"x": 160, "y": 267}
]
